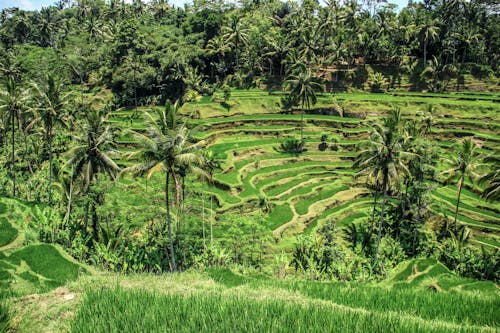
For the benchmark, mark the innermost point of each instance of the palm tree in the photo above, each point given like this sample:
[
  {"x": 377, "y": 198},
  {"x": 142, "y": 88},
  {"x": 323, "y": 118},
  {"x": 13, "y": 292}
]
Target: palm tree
[
  {"x": 12, "y": 102},
  {"x": 51, "y": 111},
  {"x": 164, "y": 148},
  {"x": 383, "y": 159},
  {"x": 303, "y": 88},
  {"x": 463, "y": 166},
  {"x": 428, "y": 31},
  {"x": 492, "y": 178},
  {"x": 92, "y": 156},
  {"x": 236, "y": 35}
]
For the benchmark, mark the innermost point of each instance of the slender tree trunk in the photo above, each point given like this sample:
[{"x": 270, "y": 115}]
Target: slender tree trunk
[
  {"x": 178, "y": 189},
  {"x": 95, "y": 222},
  {"x": 203, "y": 217},
  {"x": 173, "y": 266},
  {"x": 13, "y": 156},
  {"x": 70, "y": 198},
  {"x": 381, "y": 220},
  {"x": 459, "y": 193},
  {"x": 87, "y": 207},
  {"x": 135, "y": 95},
  {"x": 211, "y": 223},
  {"x": 415, "y": 234},
  {"x": 50, "y": 169},
  {"x": 425, "y": 52}
]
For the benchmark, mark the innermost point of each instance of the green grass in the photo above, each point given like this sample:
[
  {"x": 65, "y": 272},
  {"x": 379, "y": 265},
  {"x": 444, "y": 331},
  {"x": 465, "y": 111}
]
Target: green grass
[
  {"x": 302, "y": 206},
  {"x": 47, "y": 261},
  {"x": 279, "y": 215},
  {"x": 7, "y": 232},
  {"x": 452, "y": 307},
  {"x": 119, "y": 310}
]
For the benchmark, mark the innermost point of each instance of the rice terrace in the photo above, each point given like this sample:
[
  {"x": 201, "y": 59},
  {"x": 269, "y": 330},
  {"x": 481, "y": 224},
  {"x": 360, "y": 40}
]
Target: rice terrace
[{"x": 249, "y": 166}]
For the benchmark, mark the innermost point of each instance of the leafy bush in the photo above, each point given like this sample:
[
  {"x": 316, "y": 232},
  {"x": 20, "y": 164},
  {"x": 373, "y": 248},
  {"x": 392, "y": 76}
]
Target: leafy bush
[
  {"x": 378, "y": 83},
  {"x": 323, "y": 145},
  {"x": 191, "y": 96},
  {"x": 287, "y": 103},
  {"x": 293, "y": 146},
  {"x": 226, "y": 92},
  {"x": 481, "y": 71}
]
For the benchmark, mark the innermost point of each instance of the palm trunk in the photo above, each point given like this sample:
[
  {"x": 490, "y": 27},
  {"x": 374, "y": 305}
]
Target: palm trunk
[
  {"x": 425, "y": 52},
  {"x": 95, "y": 222},
  {"x": 50, "y": 169},
  {"x": 173, "y": 266},
  {"x": 178, "y": 189},
  {"x": 381, "y": 220},
  {"x": 302, "y": 124},
  {"x": 87, "y": 207},
  {"x": 459, "y": 193},
  {"x": 415, "y": 234},
  {"x": 70, "y": 198},
  {"x": 203, "y": 217},
  {"x": 13, "y": 157},
  {"x": 211, "y": 224}
]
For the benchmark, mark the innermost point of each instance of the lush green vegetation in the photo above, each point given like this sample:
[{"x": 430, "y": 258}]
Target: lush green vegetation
[
  {"x": 342, "y": 156},
  {"x": 272, "y": 304}
]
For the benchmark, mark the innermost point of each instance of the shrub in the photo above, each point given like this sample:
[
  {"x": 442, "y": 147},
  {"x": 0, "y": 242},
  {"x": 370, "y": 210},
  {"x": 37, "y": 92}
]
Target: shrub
[
  {"x": 294, "y": 146},
  {"x": 378, "y": 83},
  {"x": 481, "y": 71},
  {"x": 227, "y": 92}
]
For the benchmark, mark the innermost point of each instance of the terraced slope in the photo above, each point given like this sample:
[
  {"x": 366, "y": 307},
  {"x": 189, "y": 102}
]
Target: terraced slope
[
  {"x": 308, "y": 189},
  {"x": 26, "y": 269}
]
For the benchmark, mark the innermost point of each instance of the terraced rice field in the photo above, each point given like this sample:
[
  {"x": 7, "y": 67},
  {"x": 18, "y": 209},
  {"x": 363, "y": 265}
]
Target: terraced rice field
[{"x": 308, "y": 189}]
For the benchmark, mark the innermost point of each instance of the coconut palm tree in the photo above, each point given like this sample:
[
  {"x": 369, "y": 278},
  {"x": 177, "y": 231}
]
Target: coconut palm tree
[
  {"x": 428, "y": 31},
  {"x": 12, "y": 102},
  {"x": 303, "y": 88},
  {"x": 93, "y": 155},
  {"x": 52, "y": 104},
  {"x": 163, "y": 148},
  {"x": 382, "y": 159},
  {"x": 236, "y": 35},
  {"x": 462, "y": 167}
]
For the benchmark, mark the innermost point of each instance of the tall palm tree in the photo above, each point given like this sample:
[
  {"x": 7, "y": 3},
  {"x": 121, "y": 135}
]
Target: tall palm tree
[
  {"x": 163, "y": 148},
  {"x": 462, "y": 166},
  {"x": 93, "y": 155},
  {"x": 303, "y": 88},
  {"x": 382, "y": 159},
  {"x": 236, "y": 35},
  {"x": 52, "y": 104},
  {"x": 428, "y": 31},
  {"x": 12, "y": 102}
]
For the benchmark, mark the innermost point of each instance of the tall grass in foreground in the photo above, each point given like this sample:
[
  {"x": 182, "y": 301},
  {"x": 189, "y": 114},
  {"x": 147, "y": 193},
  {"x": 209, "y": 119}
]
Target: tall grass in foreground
[
  {"x": 460, "y": 308},
  {"x": 118, "y": 310},
  {"x": 4, "y": 315}
]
